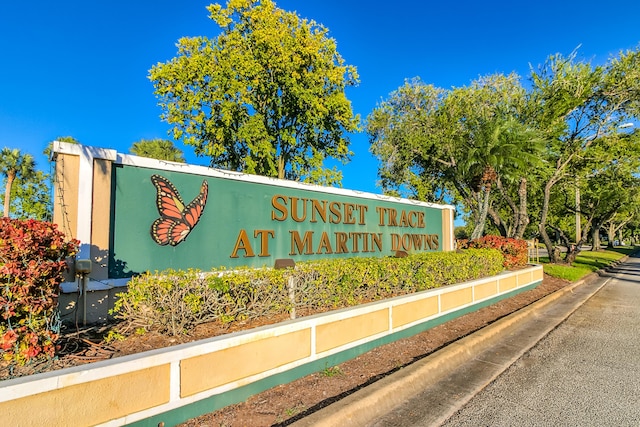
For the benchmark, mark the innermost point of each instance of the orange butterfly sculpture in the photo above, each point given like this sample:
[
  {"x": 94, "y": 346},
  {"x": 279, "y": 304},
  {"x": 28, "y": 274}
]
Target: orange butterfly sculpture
[{"x": 176, "y": 220}]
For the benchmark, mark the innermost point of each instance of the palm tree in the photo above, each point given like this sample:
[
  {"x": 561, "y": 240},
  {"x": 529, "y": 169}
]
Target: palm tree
[
  {"x": 160, "y": 149},
  {"x": 498, "y": 151},
  {"x": 14, "y": 164}
]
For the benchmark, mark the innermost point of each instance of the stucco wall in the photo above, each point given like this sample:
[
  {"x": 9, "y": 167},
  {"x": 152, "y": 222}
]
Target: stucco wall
[{"x": 174, "y": 384}]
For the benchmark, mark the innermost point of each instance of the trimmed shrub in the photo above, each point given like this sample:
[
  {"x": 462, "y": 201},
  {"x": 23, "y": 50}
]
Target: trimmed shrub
[
  {"x": 515, "y": 251},
  {"x": 176, "y": 301},
  {"x": 32, "y": 263}
]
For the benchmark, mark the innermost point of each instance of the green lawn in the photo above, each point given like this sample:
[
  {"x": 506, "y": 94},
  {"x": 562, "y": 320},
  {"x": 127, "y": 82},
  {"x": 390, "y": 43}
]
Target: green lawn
[{"x": 587, "y": 262}]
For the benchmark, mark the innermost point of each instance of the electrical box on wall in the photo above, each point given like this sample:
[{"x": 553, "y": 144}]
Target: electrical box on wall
[{"x": 83, "y": 266}]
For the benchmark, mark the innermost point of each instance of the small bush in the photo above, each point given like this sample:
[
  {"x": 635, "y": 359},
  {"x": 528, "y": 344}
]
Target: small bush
[
  {"x": 514, "y": 250},
  {"x": 176, "y": 301},
  {"x": 32, "y": 263}
]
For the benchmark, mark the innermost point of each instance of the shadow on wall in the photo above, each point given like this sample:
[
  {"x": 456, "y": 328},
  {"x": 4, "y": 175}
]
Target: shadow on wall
[
  {"x": 98, "y": 302},
  {"x": 87, "y": 298},
  {"x": 118, "y": 268}
]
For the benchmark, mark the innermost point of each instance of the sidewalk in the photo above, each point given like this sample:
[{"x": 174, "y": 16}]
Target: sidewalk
[{"x": 446, "y": 380}]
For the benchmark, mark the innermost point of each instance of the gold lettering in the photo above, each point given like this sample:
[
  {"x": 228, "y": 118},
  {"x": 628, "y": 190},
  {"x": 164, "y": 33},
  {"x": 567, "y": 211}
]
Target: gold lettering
[
  {"x": 393, "y": 217},
  {"x": 406, "y": 242},
  {"x": 264, "y": 240},
  {"x": 325, "y": 244},
  {"x": 365, "y": 242},
  {"x": 280, "y": 207},
  {"x": 434, "y": 240},
  {"x": 298, "y": 245},
  {"x": 294, "y": 209},
  {"x": 376, "y": 239},
  {"x": 355, "y": 237},
  {"x": 348, "y": 214},
  {"x": 412, "y": 214},
  {"x": 381, "y": 212},
  {"x": 242, "y": 243},
  {"x": 418, "y": 239},
  {"x": 336, "y": 217},
  {"x": 395, "y": 242},
  {"x": 362, "y": 209},
  {"x": 341, "y": 243},
  {"x": 319, "y": 206},
  {"x": 404, "y": 220}
]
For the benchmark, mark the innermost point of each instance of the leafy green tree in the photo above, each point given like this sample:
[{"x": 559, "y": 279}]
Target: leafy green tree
[
  {"x": 157, "y": 148},
  {"x": 575, "y": 104},
  {"x": 267, "y": 96},
  {"x": 14, "y": 164},
  {"x": 459, "y": 144},
  {"x": 30, "y": 198},
  {"x": 609, "y": 190}
]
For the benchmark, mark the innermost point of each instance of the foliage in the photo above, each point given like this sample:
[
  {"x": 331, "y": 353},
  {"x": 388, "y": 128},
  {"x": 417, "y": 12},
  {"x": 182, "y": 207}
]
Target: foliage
[
  {"x": 331, "y": 371},
  {"x": 515, "y": 251},
  {"x": 32, "y": 261},
  {"x": 511, "y": 156},
  {"x": 267, "y": 96},
  {"x": 176, "y": 301},
  {"x": 30, "y": 198},
  {"x": 578, "y": 106},
  {"x": 462, "y": 143},
  {"x": 157, "y": 148},
  {"x": 14, "y": 164},
  {"x": 607, "y": 182}
]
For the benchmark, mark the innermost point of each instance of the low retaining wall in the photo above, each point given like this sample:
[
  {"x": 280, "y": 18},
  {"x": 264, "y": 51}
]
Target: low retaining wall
[
  {"x": 172, "y": 385},
  {"x": 90, "y": 302}
]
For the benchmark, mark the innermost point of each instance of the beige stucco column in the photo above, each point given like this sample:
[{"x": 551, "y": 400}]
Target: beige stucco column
[{"x": 82, "y": 201}]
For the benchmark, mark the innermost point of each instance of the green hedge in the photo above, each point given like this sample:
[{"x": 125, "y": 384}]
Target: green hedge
[{"x": 175, "y": 301}]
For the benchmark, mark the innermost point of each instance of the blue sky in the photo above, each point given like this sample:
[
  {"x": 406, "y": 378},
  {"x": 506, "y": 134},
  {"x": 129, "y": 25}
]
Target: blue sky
[{"x": 79, "y": 68}]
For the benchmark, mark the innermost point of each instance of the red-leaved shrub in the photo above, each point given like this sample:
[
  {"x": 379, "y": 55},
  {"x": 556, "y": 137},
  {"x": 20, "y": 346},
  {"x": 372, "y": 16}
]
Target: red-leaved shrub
[
  {"x": 32, "y": 263},
  {"x": 515, "y": 251}
]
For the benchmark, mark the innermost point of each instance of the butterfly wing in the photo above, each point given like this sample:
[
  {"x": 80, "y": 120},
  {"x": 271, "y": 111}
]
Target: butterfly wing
[
  {"x": 168, "y": 200},
  {"x": 166, "y": 231},
  {"x": 176, "y": 220},
  {"x": 161, "y": 230},
  {"x": 193, "y": 211}
]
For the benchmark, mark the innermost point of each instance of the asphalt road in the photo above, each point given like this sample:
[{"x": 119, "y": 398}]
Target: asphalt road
[{"x": 584, "y": 373}]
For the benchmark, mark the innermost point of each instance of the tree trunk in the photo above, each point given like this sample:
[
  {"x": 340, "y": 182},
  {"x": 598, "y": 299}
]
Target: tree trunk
[
  {"x": 522, "y": 215},
  {"x": 572, "y": 253},
  {"x": 554, "y": 253},
  {"x": 519, "y": 217},
  {"x": 611, "y": 236},
  {"x": 503, "y": 228},
  {"x": 595, "y": 238},
  {"x": 7, "y": 193},
  {"x": 484, "y": 208},
  {"x": 499, "y": 223}
]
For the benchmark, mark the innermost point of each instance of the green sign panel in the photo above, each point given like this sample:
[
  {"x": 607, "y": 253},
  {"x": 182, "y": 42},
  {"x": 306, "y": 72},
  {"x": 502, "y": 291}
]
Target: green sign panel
[{"x": 167, "y": 219}]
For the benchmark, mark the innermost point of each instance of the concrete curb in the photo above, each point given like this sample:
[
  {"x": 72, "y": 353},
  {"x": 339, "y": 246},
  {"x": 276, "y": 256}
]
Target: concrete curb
[{"x": 380, "y": 398}]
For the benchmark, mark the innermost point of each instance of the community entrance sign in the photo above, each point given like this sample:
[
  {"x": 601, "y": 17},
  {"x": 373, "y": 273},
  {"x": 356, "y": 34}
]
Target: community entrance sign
[{"x": 134, "y": 214}]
